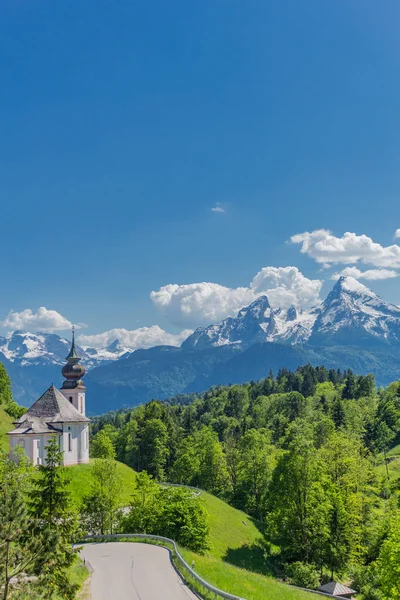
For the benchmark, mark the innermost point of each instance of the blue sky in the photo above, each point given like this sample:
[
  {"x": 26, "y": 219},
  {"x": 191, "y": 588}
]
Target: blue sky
[{"x": 122, "y": 124}]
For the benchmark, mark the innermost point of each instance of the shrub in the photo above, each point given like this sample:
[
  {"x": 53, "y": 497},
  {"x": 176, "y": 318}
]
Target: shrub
[
  {"x": 302, "y": 575},
  {"x": 171, "y": 512}
]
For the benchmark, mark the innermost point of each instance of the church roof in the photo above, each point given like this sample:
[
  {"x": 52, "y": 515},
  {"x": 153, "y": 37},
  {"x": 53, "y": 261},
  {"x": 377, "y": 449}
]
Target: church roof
[
  {"x": 52, "y": 407},
  {"x": 34, "y": 425},
  {"x": 336, "y": 589}
]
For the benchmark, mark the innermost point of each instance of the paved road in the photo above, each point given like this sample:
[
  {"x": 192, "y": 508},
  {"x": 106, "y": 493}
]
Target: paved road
[{"x": 130, "y": 571}]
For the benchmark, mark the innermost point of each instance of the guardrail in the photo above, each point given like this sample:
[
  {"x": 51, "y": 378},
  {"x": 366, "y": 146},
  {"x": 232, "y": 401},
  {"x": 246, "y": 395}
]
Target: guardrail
[
  {"x": 181, "y": 560},
  {"x": 196, "y": 577}
]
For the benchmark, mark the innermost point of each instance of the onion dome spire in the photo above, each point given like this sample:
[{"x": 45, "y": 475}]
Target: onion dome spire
[
  {"x": 72, "y": 371},
  {"x": 73, "y": 355}
]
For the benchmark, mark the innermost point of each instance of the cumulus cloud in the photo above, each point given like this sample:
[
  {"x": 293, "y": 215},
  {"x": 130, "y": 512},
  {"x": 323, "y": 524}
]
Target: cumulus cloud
[
  {"x": 397, "y": 234},
  {"x": 204, "y": 303},
  {"x": 371, "y": 274},
  {"x": 218, "y": 208},
  {"x": 285, "y": 286},
  {"x": 143, "y": 337},
  {"x": 328, "y": 249},
  {"x": 43, "y": 319}
]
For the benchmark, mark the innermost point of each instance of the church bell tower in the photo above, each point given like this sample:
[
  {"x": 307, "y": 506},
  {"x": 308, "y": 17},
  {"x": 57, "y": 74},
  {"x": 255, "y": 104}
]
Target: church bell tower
[{"x": 73, "y": 387}]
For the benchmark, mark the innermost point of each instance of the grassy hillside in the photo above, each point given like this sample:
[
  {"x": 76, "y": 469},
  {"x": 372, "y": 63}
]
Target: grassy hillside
[
  {"x": 81, "y": 480},
  {"x": 241, "y": 582},
  {"x": 5, "y": 425},
  {"x": 236, "y": 552},
  {"x": 235, "y": 539}
]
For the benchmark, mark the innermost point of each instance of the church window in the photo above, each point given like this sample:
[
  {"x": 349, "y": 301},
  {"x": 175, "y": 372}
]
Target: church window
[
  {"x": 70, "y": 399},
  {"x": 69, "y": 441}
]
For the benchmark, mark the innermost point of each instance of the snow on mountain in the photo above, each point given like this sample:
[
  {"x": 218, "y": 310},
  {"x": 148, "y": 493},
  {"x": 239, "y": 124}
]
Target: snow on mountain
[
  {"x": 41, "y": 349},
  {"x": 113, "y": 351},
  {"x": 352, "y": 313},
  {"x": 256, "y": 323}
]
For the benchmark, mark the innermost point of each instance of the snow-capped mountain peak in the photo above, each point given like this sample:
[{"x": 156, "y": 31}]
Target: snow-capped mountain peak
[
  {"x": 351, "y": 284},
  {"x": 256, "y": 323},
  {"x": 38, "y": 349},
  {"x": 258, "y": 310},
  {"x": 352, "y": 313}
]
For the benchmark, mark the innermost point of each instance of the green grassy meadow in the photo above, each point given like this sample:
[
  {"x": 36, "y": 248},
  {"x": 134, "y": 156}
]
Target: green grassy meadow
[
  {"x": 230, "y": 529},
  {"x": 81, "y": 480},
  {"x": 241, "y": 582}
]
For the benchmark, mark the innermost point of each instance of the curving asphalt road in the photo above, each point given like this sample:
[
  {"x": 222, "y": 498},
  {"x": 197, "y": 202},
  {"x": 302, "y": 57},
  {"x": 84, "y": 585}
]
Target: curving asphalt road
[{"x": 133, "y": 571}]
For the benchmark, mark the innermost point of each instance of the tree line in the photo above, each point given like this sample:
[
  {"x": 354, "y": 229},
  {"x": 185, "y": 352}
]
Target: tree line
[{"x": 297, "y": 452}]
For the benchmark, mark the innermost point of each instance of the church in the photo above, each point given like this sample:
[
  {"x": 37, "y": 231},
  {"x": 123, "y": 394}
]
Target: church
[{"x": 60, "y": 413}]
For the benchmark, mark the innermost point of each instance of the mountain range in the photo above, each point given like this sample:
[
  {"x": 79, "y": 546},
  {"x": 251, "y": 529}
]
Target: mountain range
[{"x": 353, "y": 328}]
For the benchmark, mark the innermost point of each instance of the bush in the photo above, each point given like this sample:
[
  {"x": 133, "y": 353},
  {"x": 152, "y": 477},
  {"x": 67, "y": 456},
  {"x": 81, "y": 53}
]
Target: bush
[
  {"x": 303, "y": 575},
  {"x": 366, "y": 580},
  {"x": 170, "y": 512},
  {"x": 14, "y": 410}
]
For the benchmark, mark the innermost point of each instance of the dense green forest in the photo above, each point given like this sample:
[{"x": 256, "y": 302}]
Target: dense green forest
[{"x": 305, "y": 453}]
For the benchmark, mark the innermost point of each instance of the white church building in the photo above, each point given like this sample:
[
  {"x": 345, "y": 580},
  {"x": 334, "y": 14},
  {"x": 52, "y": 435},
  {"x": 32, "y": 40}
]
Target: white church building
[{"x": 60, "y": 413}]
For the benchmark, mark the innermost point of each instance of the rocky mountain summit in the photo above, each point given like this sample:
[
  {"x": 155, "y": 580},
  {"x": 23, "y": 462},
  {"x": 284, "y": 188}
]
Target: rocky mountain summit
[
  {"x": 256, "y": 323},
  {"x": 39, "y": 349},
  {"x": 351, "y": 313}
]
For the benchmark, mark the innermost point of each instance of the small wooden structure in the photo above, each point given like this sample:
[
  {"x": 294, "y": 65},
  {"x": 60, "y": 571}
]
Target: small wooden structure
[{"x": 337, "y": 589}]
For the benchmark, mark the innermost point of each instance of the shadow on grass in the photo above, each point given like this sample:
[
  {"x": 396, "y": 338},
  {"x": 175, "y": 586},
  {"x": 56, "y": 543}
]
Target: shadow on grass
[{"x": 252, "y": 558}]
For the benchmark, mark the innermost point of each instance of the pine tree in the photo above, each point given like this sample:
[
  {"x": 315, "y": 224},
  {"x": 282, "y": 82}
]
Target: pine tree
[
  {"x": 350, "y": 388},
  {"x": 24, "y": 546},
  {"x": 338, "y": 414},
  {"x": 52, "y": 506}
]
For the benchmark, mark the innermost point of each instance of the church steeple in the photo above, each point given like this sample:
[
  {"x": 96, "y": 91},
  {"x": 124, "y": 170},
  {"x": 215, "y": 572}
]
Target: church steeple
[
  {"x": 73, "y": 371},
  {"x": 73, "y": 355}
]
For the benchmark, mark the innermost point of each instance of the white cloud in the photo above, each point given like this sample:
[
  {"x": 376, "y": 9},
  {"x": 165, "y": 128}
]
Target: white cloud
[
  {"x": 143, "y": 337},
  {"x": 204, "y": 303},
  {"x": 285, "y": 286},
  {"x": 328, "y": 249},
  {"x": 218, "y": 208},
  {"x": 42, "y": 320},
  {"x": 397, "y": 234},
  {"x": 371, "y": 274}
]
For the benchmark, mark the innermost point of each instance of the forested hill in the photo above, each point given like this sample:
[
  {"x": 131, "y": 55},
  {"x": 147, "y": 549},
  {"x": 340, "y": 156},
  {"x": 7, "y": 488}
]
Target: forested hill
[{"x": 299, "y": 452}]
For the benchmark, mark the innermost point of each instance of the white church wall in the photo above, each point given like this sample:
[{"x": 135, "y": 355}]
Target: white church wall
[
  {"x": 34, "y": 446},
  {"x": 76, "y": 397},
  {"x": 75, "y": 443}
]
